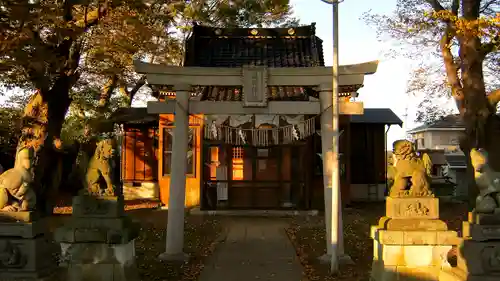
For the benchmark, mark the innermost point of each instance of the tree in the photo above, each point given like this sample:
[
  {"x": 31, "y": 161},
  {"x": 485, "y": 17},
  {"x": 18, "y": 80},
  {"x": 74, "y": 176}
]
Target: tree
[
  {"x": 170, "y": 49},
  {"x": 56, "y": 48},
  {"x": 467, "y": 36},
  {"x": 41, "y": 46}
]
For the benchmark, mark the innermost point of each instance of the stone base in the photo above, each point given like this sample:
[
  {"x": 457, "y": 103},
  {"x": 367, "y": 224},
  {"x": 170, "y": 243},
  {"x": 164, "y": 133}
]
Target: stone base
[
  {"x": 25, "y": 252},
  {"x": 343, "y": 259},
  {"x": 101, "y": 262},
  {"x": 412, "y": 208},
  {"x": 411, "y": 243},
  {"x": 98, "y": 220},
  {"x": 98, "y": 230},
  {"x": 414, "y": 237},
  {"x": 456, "y": 274},
  {"x": 98, "y": 242},
  {"x": 94, "y": 207},
  {"x": 403, "y": 273},
  {"x": 479, "y": 259},
  {"x": 174, "y": 257}
]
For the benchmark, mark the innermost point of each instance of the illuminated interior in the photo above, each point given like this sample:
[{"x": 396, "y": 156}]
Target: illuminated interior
[{"x": 237, "y": 161}]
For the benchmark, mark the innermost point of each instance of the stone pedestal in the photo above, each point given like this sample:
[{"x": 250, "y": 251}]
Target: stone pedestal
[
  {"x": 98, "y": 242},
  {"x": 479, "y": 254},
  {"x": 25, "y": 250},
  {"x": 410, "y": 242}
]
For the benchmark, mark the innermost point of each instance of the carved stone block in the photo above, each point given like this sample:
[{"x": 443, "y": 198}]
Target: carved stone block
[
  {"x": 412, "y": 224},
  {"x": 480, "y": 258},
  {"x": 484, "y": 219},
  {"x": 101, "y": 262},
  {"x": 398, "y": 237},
  {"x": 23, "y": 229},
  {"x": 98, "y": 230},
  {"x": 412, "y": 208},
  {"x": 98, "y": 207},
  {"x": 254, "y": 86},
  {"x": 478, "y": 232},
  {"x": 25, "y": 258}
]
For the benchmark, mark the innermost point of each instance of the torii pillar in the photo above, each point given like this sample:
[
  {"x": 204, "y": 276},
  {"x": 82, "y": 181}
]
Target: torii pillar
[
  {"x": 327, "y": 134},
  {"x": 177, "y": 191}
]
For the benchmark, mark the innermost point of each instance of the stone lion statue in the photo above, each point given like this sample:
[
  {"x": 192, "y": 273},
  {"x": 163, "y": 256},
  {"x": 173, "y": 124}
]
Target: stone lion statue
[
  {"x": 101, "y": 168},
  {"x": 487, "y": 181},
  {"x": 410, "y": 173},
  {"x": 15, "y": 184}
]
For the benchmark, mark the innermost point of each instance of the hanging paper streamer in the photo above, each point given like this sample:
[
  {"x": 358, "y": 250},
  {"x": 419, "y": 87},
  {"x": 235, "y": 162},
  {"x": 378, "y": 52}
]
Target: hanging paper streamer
[
  {"x": 295, "y": 133},
  {"x": 213, "y": 130},
  {"x": 242, "y": 136},
  {"x": 296, "y": 130}
]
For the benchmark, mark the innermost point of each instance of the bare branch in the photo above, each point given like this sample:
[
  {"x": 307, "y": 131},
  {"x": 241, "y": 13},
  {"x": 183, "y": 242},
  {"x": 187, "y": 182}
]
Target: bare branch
[
  {"x": 137, "y": 86},
  {"x": 436, "y": 5},
  {"x": 489, "y": 7},
  {"x": 106, "y": 92},
  {"x": 92, "y": 18},
  {"x": 491, "y": 46}
]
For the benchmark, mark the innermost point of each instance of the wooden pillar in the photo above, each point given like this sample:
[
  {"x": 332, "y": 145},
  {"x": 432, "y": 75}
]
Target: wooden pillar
[{"x": 177, "y": 191}]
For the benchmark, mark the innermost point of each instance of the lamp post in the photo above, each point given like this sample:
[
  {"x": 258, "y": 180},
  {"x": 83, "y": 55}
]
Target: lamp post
[{"x": 334, "y": 227}]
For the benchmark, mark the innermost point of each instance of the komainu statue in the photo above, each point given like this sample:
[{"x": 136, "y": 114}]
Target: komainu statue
[
  {"x": 410, "y": 173},
  {"x": 100, "y": 169},
  {"x": 487, "y": 181},
  {"x": 15, "y": 184}
]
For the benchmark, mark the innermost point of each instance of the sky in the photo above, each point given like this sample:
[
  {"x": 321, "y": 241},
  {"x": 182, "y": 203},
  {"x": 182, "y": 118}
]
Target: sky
[{"x": 358, "y": 43}]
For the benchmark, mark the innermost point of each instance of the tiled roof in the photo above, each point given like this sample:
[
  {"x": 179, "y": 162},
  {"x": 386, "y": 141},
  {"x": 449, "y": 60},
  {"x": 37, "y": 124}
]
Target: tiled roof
[
  {"x": 237, "y": 47},
  {"x": 271, "y": 47},
  {"x": 377, "y": 116},
  {"x": 446, "y": 122},
  {"x": 453, "y": 121}
]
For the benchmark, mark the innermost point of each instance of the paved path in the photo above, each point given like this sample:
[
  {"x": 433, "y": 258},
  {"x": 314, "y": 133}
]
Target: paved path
[{"x": 254, "y": 249}]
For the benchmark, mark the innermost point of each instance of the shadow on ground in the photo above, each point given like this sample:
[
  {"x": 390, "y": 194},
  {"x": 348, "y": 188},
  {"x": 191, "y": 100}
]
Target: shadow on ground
[
  {"x": 200, "y": 236},
  {"x": 308, "y": 237}
]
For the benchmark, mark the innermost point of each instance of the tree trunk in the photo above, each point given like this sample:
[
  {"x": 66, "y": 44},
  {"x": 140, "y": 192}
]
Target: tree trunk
[
  {"x": 481, "y": 122},
  {"x": 43, "y": 118}
]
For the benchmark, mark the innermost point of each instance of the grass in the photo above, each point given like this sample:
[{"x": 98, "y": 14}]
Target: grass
[
  {"x": 308, "y": 237},
  {"x": 200, "y": 235}
]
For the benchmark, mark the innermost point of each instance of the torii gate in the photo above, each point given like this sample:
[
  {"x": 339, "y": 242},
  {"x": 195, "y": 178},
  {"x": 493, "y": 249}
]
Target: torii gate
[{"x": 254, "y": 81}]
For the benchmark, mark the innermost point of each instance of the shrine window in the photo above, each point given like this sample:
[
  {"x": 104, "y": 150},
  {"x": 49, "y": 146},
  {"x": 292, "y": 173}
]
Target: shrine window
[
  {"x": 167, "y": 151},
  {"x": 238, "y": 163}
]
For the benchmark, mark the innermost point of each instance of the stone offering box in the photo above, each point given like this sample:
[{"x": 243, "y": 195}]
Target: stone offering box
[
  {"x": 410, "y": 242},
  {"x": 479, "y": 253},
  {"x": 26, "y": 252}
]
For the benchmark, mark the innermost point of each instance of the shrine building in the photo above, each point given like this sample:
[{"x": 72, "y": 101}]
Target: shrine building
[{"x": 254, "y": 101}]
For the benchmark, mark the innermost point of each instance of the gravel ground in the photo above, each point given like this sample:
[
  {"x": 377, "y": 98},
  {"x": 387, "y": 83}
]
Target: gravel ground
[
  {"x": 199, "y": 241},
  {"x": 308, "y": 237}
]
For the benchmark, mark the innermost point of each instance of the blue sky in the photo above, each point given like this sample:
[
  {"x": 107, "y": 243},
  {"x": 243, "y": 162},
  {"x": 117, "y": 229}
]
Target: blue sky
[{"x": 358, "y": 43}]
